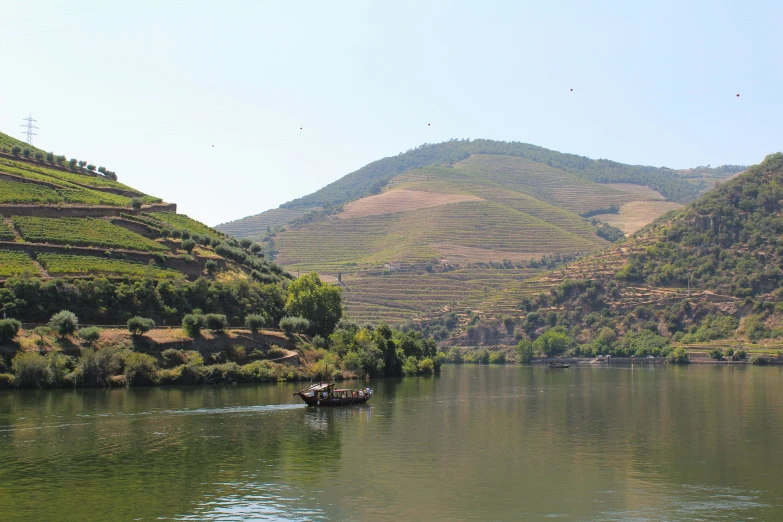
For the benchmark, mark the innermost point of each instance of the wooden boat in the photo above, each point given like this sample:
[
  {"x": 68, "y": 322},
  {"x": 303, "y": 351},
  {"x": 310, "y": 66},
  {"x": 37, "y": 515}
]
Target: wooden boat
[
  {"x": 558, "y": 364},
  {"x": 325, "y": 394}
]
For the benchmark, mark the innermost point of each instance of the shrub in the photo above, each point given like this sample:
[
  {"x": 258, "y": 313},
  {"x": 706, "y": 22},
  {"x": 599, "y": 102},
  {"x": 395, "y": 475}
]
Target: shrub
[
  {"x": 216, "y": 322},
  {"x": 57, "y": 368},
  {"x": 188, "y": 245},
  {"x": 165, "y": 232},
  {"x": 320, "y": 342},
  {"x": 50, "y": 157},
  {"x": 97, "y": 367},
  {"x": 524, "y": 351},
  {"x": 136, "y": 204},
  {"x": 497, "y": 358},
  {"x": 173, "y": 357},
  {"x": 29, "y": 369},
  {"x": 290, "y": 325},
  {"x": 717, "y": 354},
  {"x": 454, "y": 356},
  {"x": 759, "y": 360},
  {"x": 26, "y": 152},
  {"x": 678, "y": 356},
  {"x": 72, "y": 162},
  {"x": 255, "y": 322},
  {"x": 410, "y": 366},
  {"x": 185, "y": 234},
  {"x": 42, "y": 331},
  {"x": 211, "y": 265},
  {"x": 64, "y": 323},
  {"x": 176, "y": 234},
  {"x": 256, "y": 248},
  {"x": 427, "y": 366},
  {"x": 8, "y": 329},
  {"x": 140, "y": 325},
  {"x": 89, "y": 334},
  {"x": 91, "y": 167},
  {"x": 82, "y": 163},
  {"x": 15, "y": 150},
  {"x": 193, "y": 324},
  {"x": 140, "y": 369},
  {"x": 739, "y": 355},
  {"x": 39, "y": 156},
  {"x": 245, "y": 243}
]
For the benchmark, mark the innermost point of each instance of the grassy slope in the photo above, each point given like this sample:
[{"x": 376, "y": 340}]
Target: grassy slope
[{"x": 255, "y": 227}]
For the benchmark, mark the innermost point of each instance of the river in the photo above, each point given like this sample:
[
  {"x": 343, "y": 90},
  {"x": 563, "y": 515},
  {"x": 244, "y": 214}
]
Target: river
[{"x": 474, "y": 443}]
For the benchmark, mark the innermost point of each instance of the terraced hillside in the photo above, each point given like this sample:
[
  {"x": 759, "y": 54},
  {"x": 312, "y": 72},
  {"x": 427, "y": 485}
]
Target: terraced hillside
[
  {"x": 73, "y": 233},
  {"x": 444, "y": 238},
  {"x": 707, "y": 275}
]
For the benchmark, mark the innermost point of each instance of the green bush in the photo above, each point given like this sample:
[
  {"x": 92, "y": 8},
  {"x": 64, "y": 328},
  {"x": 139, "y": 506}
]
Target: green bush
[
  {"x": 320, "y": 342},
  {"x": 255, "y": 322},
  {"x": 64, "y": 323},
  {"x": 716, "y": 354},
  {"x": 758, "y": 360},
  {"x": 454, "y": 356},
  {"x": 58, "y": 366},
  {"x": 7, "y": 380},
  {"x": 188, "y": 245},
  {"x": 211, "y": 266},
  {"x": 89, "y": 334},
  {"x": 29, "y": 369},
  {"x": 193, "y": 324},
  {"x": 8, "y": 329},
  {"x": 427, "y": 366},
  {"x": 497, "y": 358},
  {"x": 140, "y": 325},
  {"x": 216, "y": 322},
  {"x": 290, "y": 325},
  {"x": 524, "y": 351},
  {"x": 140, "y": 369},
  {"x": 97, "y": 367},
  {"x": 173, "y": 357},
  {"x": 678, "y": 356},
  {"x": 15, "y": 150}
]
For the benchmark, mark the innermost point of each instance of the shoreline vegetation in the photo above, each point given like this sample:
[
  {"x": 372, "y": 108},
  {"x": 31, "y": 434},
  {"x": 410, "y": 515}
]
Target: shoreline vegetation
[{"x": 62, "y": 355}]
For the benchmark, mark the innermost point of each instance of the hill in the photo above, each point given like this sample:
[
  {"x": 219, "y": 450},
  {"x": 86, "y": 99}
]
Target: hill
[
  {"x": 707, "y": 275},
  {"x": 679, "y": 186},
  {"x": 457, "y": 225},
  {"x": 72, "y": 236}
]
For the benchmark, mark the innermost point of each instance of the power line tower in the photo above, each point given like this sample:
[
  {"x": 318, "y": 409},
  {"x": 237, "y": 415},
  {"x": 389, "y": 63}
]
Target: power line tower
[{"x": 29, "y": 128}]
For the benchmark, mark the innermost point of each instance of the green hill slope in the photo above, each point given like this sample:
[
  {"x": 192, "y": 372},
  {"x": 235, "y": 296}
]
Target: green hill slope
[
  {"x": 71, "y": 237},
  {"x": 707, "y": 276}
]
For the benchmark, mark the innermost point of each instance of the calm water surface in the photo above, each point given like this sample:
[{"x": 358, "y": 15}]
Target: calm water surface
[{"x": 502, "y": 443}]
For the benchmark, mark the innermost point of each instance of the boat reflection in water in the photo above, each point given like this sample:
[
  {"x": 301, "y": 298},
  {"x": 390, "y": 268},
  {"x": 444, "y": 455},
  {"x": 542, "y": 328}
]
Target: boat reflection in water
[{"x": 325, "y": 394}]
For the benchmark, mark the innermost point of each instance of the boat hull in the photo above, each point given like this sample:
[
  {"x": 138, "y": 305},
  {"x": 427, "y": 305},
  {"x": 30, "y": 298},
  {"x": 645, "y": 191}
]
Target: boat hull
[{"x": 334, "y": 401}]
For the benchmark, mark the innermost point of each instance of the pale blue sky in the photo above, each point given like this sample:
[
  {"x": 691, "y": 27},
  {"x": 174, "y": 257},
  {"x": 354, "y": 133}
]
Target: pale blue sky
[{"x": 147, "y": 87}]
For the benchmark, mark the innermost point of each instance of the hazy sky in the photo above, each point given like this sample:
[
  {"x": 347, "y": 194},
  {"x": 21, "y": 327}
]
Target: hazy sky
[{"x": 148, "y": 87}]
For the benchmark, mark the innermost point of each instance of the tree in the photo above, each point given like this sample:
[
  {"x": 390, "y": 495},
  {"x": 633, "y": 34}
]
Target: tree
[
  {"x": 189, "y": 245},
  {"x": 64, "y": 323},
  {"x": 553, "y": 342},
  {"x": 50, "y": 157},
  {"x": 193, "y": 324},
  {"x": 140, "y": 325},
  {"x": 165, "y": 232},
  {"x": 72, "y": 162},
  {"x": 256, "y": 248},
  {"x": 136, "y": 204},
  {"x": 255, "y": 322},
  {"x": 185, "y": 234},
  {"x": 102, "y": 170},
  {"x": 39, "y": 156},
  {"x": 26, "y": 152},
  {"x": 41, "y": 332},
  {"x": 216, "y": 322},
  {"x": 316, "y": 301},
  {"x": 89, "y": 334},
  {"x": 15, "y": 150},
  {"x": 211, "y": 266},
  {"x": 8, "y": 329},
  {"x": 525, "y": 351},
  {"x": 82, "y": 163},
  {"x": 245, "y": 243},
  {"x": 290, "y": 325}
]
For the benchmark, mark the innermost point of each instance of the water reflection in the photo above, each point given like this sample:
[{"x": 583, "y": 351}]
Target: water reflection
[{"x": 474, "y": 443}]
